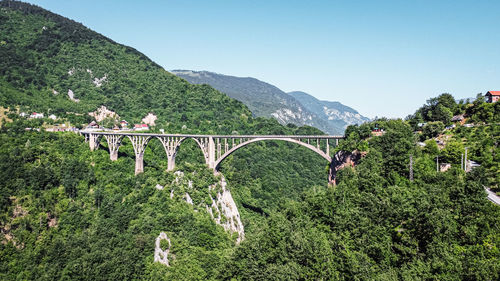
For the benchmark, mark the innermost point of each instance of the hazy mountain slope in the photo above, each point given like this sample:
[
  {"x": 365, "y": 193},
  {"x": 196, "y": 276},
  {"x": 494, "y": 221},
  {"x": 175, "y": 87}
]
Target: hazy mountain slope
[
  {"x": 263, "y": 99},
  {"x": 266, "y": 100},
  {"x": 335, "y": 113}
]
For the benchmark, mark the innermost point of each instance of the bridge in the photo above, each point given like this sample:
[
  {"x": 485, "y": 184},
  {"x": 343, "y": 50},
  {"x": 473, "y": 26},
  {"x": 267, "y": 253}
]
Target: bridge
[{"x": 215, "y": 148}]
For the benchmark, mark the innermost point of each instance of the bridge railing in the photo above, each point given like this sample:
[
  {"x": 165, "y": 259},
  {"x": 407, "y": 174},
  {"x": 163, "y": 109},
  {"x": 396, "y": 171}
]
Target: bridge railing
[{"x": 215, "y": 136}]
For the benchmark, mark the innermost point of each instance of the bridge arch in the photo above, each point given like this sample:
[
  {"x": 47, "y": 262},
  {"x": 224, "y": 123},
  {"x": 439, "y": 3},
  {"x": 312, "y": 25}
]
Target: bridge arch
[
  {"x": 233, "y": 149},
  {"x": 215, "y": 148},
  {"x": 203, "y": 145},
  {"x": 172, "y": 145}
]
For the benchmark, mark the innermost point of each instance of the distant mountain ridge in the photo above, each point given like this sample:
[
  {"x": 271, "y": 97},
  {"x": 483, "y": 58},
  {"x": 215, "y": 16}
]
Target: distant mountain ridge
[
  {"x": 333, "y": 112},
  {"x": 266, "y": 100},
  {"x": 263, "y": 99}
]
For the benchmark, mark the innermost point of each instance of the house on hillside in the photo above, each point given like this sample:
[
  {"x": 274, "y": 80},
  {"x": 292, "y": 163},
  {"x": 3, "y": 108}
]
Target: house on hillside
[
  {"x": 92, "y": 125},
  {"x": 141, "y": 127},
  {"x": 53, "y": 117},
  {"x": 35, "y": 115},
  {"x": 377, "y": 131},
  {"x": 492, "y": 96},
  {"x": 124, "y": 124},
  {"x": 458, "y": 118}
]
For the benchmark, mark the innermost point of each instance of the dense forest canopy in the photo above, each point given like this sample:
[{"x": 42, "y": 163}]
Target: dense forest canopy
[{"x": 71, "y": 214}]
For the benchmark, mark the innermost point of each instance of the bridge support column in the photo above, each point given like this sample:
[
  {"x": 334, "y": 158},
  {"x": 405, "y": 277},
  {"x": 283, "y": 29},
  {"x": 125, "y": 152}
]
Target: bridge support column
[
  {"x": 139, "y": 143},
  {"x": 211, "y": 153},
  {"x": 171, "y": 145},
  {"x": 94, "y": 141},
  {"x": 113, "y": 155},
  {"x": 114, "y": 142},
  {"x": 171, "y": 163},
  {"x": 139, "y": 164}
]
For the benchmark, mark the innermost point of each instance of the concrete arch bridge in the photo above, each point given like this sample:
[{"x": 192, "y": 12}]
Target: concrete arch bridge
[{"x": 215, "y": 148}]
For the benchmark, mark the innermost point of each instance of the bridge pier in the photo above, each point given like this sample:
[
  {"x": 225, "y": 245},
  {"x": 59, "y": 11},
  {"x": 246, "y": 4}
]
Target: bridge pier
[
  {"x": 114, "y": 142},
  {"x": 94, "y": 141},
  {"x": 171, "y": 145},
  {"x": 139, "y": 164},
  {"x": 139, "y": 143},
  {"x": 170, "y": 163},
  {"x": 211, "y": 153},
  {"x": 113, "y": 155}
]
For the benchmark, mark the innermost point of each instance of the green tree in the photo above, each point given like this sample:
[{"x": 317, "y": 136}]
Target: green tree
[
  {"x": 452, "y": 152},
  {"x": 432, "y": 129},
  {"x": 431, "y": 147}
]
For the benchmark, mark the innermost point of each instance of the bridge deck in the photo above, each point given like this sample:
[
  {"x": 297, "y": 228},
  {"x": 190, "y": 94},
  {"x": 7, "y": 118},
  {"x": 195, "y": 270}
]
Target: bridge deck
[{"x": 215, "y": 136}]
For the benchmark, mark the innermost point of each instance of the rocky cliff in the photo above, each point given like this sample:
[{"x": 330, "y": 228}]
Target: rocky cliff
[{"x": 337, "y": 115}]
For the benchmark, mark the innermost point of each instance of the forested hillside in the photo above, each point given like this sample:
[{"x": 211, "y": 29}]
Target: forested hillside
[
  {"x": 67, "y": 213},
  {"x": 46, "y": 56},
  {"x": 71, "y": 213}
]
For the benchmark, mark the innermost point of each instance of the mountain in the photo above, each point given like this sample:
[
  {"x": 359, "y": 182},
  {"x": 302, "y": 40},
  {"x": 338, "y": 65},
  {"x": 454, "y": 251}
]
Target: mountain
[
  {"x": 54, "y": 65},
  {"x": 263, "y": 99},
  {"x": 336, "y": 114},
  {"x": 266, "y": 100}
]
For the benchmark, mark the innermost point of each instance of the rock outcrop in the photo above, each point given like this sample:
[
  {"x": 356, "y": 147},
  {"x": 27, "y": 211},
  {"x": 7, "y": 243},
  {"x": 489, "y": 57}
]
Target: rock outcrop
[
  {"x": 223, "y": 206},
  {"x": 341, "y": 160},
  {"x": 161, "y": 255},
  {"x": 71, "y": 96},
  {"x": 99, "y": 81},
  {"x": 222, "y": 210},
  {"x": 149, "y": 119},
  {"x": 103, "y": 113}
]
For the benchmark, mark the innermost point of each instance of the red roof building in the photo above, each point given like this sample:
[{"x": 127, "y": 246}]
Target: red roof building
[
  {"x": 492, "y": 96},
  {"x": 141, "y": 127}
]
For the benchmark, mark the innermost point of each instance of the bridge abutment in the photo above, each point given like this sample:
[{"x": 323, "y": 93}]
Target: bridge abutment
[{"x": 331, "y": 174}]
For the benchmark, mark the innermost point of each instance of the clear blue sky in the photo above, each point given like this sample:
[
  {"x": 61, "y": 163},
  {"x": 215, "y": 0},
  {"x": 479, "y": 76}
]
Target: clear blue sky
[{"x": 383, "y": 58}]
